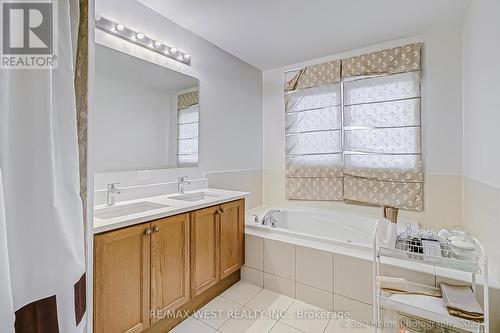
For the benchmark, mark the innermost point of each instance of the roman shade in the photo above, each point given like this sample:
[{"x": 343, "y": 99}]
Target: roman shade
[
  {"x": 390, "y": 61},
  {"x": 352, "y": 130},
  {"x": 313, "y": 133},
  {"x": 382, "y": 149},
  {"x": 313, "y": 76},
  {"x": 187, "y": 129},
  {"x": 186, "y": 100}
]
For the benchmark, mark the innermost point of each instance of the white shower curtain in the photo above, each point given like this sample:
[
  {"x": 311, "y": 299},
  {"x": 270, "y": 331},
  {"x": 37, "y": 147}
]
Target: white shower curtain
[{"x": 42, "y": 261}]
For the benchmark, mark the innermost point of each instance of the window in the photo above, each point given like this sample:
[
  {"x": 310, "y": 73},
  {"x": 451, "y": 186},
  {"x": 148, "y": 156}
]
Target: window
[
  {"x": 355, "y": 136},
  {"x": 313, "y": 143},
  {"x": 187, "y": 130}
]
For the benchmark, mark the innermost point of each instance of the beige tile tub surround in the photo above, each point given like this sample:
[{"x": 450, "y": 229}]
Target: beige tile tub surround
[
  {"x": 318, "y": 272},
  {"x": 338, "y": 280},
  {"x": 279, "y": 259},
  {"x": 358, "y": 311},
  {"x": 317, "y": 297},
  {"x": 252, "y": 275},
  {"x": 353, "y": 278},
  {"x": 254, "y": 252},
  {"x": 279, "y": 284}
]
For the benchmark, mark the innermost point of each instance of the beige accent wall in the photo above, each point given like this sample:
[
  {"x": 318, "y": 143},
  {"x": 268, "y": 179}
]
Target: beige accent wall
[
  {"x": 442, "y": 199},
  {"x": 482, "y": 215}
]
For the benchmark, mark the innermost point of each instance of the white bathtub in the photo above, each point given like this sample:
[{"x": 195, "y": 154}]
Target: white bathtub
[
  {"x": 324, "y": 227},
  {"x": 324, "y": 258}
]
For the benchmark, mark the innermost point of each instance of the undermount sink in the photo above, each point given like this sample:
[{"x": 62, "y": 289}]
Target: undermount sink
[
  {"x": 193, "y": 196},
  {"x": 122, "y": 210}
]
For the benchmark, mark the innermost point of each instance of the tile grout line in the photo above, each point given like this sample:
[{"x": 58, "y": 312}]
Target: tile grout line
[
  {"x": 294, "y": 281},
  {"x": 216, "y": 330},
  {"x": 328, "y": 323}
]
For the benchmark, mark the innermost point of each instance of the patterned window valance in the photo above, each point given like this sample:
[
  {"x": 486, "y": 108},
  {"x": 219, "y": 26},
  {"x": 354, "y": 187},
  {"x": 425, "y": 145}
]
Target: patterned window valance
[
  {"x": 396, "y": 60},
  {"x": 361, "y": 146},
  {"x": 316, "y": 75},
  {"x": 186, "y": 100}
]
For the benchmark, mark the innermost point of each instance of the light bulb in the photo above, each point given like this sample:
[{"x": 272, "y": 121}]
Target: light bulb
[
  {"x": 120, "y": 27},
  {"x": 133, "y": 38},
  {"x": 173, "y": 50},
  {"x": 98, "y": 18},
  {"x": 166, "y": 51},
  {"x": 140, "y": 35},
  {"x": 180, "y": 58},
  {"x": 113, "y": 28},
  {"x": 187, "y": 56},
  {"x": 157, "y": 44}
]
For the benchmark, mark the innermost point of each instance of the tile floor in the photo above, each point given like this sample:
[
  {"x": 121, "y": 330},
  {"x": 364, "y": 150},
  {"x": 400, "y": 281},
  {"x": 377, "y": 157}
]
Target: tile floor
[{"x": 247, "y": 308}]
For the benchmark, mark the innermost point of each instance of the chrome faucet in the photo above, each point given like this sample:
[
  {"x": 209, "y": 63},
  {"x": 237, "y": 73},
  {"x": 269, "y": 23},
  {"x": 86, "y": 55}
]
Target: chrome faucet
[
  {"x": 269, "y": 218},
  {"x": 111, "y": 194},
  {"x": 181, "y": 181}
]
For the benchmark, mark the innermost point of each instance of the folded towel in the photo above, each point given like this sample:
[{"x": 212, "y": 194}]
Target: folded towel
[
  {"x": 461, "y": 302},
  {"x": 392, "y": 283},
  {"x": 395, "y": 285}
]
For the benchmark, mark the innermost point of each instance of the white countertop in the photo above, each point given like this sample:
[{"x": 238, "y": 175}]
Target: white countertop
[{"x": 174, "y": 207}]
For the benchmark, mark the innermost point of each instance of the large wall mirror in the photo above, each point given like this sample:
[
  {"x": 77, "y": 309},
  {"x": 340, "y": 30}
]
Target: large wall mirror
[{"x": 145, "y": 115}]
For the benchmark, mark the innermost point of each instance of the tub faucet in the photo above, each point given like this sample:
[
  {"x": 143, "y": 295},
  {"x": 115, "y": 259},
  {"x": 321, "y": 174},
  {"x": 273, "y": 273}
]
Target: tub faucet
[
  {"x": 111, "y": 194},
  {"x": 269, "y": 217},
  {"x": 181, "y": 181}
]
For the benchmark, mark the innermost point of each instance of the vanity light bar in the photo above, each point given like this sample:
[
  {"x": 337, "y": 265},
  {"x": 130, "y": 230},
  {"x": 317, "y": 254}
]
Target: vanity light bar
[{"x": 138, "y": 38}]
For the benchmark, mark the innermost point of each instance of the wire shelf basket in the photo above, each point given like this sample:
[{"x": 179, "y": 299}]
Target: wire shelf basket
[
  {"x": 433, "y": 251},
  {"x": 442, "y": 254}
]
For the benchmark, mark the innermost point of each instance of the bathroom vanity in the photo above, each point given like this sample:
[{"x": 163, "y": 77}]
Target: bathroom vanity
[
  {"x": 176, "y": 256},
  {"x": 155, "y": 256}
]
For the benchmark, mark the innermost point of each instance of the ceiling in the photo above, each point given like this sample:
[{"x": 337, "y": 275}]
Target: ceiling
[
  {"x": 126, "y": 68},
  {"x": 274, "y": 33}
]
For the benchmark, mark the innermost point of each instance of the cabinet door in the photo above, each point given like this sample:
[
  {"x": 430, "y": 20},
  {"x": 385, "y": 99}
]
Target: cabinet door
[
  {"x": 204, "y": 249},
  {"x": 231, "y": 237},
  {"x": 170, "y": 262},
  {"x": 121, "y": 280}
]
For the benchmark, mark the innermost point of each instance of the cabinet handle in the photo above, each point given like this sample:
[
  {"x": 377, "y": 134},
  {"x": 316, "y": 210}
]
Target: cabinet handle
[
  {"x": 221, "y": 210},
  {"x": 148, "y": 231},
  {"x": 156, "y": 228}
]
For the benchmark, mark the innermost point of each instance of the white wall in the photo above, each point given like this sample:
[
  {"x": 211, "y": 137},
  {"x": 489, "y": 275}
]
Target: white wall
[
  {"x": 230, "y": 95},
  {"x": 482, "y": 92},
  {"x": 131, "y": 125},
  {"x": 441, "y": 126},
  {"x": 481, "y": 68}
]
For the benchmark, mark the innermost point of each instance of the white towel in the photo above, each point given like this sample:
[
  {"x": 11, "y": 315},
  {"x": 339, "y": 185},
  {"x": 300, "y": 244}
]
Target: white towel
[
  {"x": 6, "y": 307},
  {"x": 387, "y": 233}
]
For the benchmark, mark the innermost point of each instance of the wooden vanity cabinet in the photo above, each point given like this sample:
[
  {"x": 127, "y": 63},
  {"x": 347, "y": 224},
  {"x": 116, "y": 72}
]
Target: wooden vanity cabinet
[
  {"x": 138, "y": 269},
  {"x": 231, "y": 237},
  {"x": 165, "y": 265},
  {"x": 121, "y": 280},
  {"x": 217, "y": 243},
  {"x": 170, "y": 263},
  {"x": 204, "y": 249}
]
